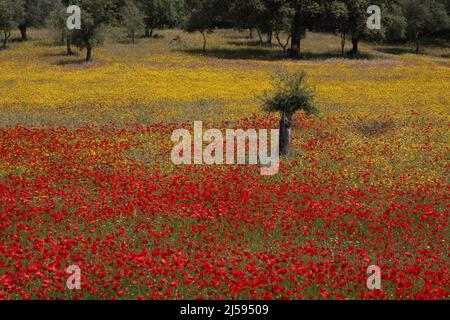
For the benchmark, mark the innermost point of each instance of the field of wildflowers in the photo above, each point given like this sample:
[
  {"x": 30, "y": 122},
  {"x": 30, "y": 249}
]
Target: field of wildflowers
[{"x": 86, "y": 177}]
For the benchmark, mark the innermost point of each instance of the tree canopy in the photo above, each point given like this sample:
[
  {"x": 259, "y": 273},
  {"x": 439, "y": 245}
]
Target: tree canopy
[{"x": 285, "y": 20}]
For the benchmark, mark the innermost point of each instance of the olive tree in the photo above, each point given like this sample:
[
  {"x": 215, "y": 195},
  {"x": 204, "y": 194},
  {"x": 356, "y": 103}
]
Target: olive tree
[
  {"x": 291, "y": 93},
  {"x": 305, "y": 14},
  {"x": 10, "y": 12},
  {"x": 57, "y": 21},
  {"x": 160, "y": 14},
  {"x": 203, "y": 16},
  {"x": 34, "y": 13},
  {"x": 339, "y": 14},
  {"x": 132, "y": 19},
  {"x": 96, "y": 14},
  {"x": 423, "y": 18}
]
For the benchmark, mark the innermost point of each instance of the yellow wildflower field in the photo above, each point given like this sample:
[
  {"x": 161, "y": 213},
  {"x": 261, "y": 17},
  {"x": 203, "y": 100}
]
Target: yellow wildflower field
[{"x": 153, "y": 73}]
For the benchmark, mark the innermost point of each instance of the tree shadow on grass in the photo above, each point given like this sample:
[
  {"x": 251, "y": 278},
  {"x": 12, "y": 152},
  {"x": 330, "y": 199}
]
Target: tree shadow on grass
[
  {"x": 240, "y": 53},
  {"x": 266, "y": 54},
  {"x": 337, "y": 55},
  {"x": 250, "y": 43},
  {"x": 395, "y": 50},
  {"x": 374, "y": 128},
  {"x": 16, "y": 39},
  {"x": 441, "y": 43},
  {"x": 127, "y": 41},
  {"x": 152, "y": 37},
  {"x": 59, "y": 54},
  {"x": 65, "y": 62}
]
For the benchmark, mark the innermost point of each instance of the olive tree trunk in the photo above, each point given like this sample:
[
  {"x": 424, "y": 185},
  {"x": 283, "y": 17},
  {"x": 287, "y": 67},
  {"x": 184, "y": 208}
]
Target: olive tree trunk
[
  {"x": 88, "y": 52},
  {"x": 204, "y": 40},
  {"x": 296, "y": 38},
  {"x": 285, "y": 133},
  {"x": 343, "y": 40},
  {"x": 417, "y": 42},
  {"x": 355, "y": 43},
  {"x": 282, "y": 45},
  {"x": 269, "y": 37},
  {"x": 6, "y": 36},
  {"x": 261, "y": 41},
  {"x": 23, "y": 32},
  {"x": 69, "y": 46}
]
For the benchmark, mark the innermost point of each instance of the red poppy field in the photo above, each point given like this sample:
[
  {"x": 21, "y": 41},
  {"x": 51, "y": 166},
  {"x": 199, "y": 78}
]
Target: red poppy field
[{"x": 84, "y": 197}]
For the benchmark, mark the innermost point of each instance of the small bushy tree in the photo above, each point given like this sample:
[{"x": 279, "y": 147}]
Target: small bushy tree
[
  {"x": 424, "y": 17},
  {"x": 278, "y": 16},
  {"x": 395, "y": 22},
  {"x": 247, "y": 14},
  {"x": 34, "y": 13},
  {"x": 339, "y": 15},
  {"x": 96, "y": 14},
  {"x": 306, "y": 14},
  {"x": 10, "y": 12},
  {"x": 203, "y": 16},
  {"x": 291, "y": 94},
  {"x": 160, "y": 14},
  {"x": 357, "y": 21},
  {"x": 58, "y": 22},
  {"x": 132, "y": 19}
]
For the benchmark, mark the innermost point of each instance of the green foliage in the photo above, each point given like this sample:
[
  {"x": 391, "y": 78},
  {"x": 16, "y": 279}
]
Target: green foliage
[
  {"x": 339, "y": 14},
  {"x": 203, "y": 15},
  {"x": 291, "y": 93},
  {"x": 288, "y": 19},
  {"x": 266, "y": 16},
  {"x": 34, "y": 13},
  {"x": 96, "y": 14},
  {"x": 244, "y": 14},
  {"x": 132, "y": 19},
  {"x": 358, "y": 18},
  {"x": 395, "y": 22},
  {"x": 310, "y": 12},
  {"x": 338, "y": 18},
  {"x": 425, "y": 16},
  {"x": 57, "y": 21},
  {"x": 278, "y": 15},
  {"x": 307, "y": 14},
  {"x": 10, "y": 14},
  {"x": 161, "y": 14}
]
